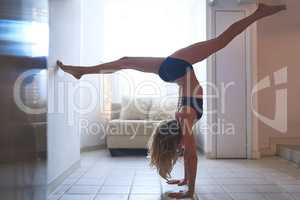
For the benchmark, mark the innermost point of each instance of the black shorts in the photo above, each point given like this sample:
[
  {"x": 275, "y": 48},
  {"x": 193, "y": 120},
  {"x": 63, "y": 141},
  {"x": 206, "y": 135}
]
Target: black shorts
[{"x": 173, "y": 68}]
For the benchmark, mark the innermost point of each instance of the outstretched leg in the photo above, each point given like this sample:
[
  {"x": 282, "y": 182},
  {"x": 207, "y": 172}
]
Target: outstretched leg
[
  {"x": 143, "y": 64},
  {"x": 200, "y": 51},
  {"x": 79, "y": 71}
]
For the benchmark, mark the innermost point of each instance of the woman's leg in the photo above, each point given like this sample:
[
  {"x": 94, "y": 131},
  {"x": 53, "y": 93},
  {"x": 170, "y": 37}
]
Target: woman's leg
[
  {"x": 79, "y": 71},
  {"x": 200, "y": 51},
  {"x": 143, "y": 64}
]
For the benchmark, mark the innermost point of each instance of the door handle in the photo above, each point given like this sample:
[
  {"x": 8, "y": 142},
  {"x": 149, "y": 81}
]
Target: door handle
[{"x": 211, "y": 2}]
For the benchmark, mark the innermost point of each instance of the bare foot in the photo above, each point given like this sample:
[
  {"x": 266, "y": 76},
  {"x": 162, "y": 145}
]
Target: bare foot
[
  {"x": 74, "y": 71},
  {"x": 267, "y": 10}
]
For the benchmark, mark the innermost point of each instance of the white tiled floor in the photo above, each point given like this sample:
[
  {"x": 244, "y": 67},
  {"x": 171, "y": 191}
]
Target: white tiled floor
[{"x": 102, "y": 177}]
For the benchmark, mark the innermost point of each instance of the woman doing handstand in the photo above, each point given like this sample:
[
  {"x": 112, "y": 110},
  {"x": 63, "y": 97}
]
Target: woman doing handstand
[{"x": 172, "y": 135}]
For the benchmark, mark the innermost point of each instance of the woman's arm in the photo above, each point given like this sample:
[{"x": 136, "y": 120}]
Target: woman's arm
[
  {"x": 190, "y": 154},
  {"x": 188, "y": 116}
]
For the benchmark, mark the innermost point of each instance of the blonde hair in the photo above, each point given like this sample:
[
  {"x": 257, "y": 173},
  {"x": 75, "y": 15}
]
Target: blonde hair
[{"x": 163, "y": 146}]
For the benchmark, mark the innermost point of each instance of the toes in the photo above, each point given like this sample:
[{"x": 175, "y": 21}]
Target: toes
[{"x": 59, "y": 63}]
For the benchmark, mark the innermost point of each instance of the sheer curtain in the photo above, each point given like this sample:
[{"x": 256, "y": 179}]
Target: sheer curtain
[{"x": 148, "y": 28}]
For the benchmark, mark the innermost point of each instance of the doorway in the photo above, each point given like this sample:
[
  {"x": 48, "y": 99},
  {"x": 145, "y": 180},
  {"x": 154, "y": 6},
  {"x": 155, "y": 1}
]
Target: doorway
[{"x": 230, "y": 72}]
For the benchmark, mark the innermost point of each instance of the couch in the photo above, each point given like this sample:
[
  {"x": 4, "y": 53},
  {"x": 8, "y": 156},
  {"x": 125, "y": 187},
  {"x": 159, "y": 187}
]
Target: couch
[{"x": 134, "y": 120}]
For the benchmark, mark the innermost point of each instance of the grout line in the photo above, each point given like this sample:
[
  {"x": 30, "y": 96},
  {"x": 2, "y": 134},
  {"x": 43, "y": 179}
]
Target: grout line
[
  {"x": 88, "y": 168},
  {"x": 131, "y": 185},
  {"x": 71, "y": 185},
  {"x": 161, "y": 189},
  {"x": 101, "y": 186}
]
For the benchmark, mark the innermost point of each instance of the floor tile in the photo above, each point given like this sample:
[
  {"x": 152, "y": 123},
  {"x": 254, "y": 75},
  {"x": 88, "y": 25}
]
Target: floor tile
[
  {"x": 76, "y": 175},
  {"x": 114, "y": 190},
  {"x": 239, "y": 188},
  {"x": 94, "y": 175},
  {"x": 77, "y": 197},
  {"x": 82, "y": 189},
  {"x": 165, "y": 196},
  {"x": 145, "y": 197},
  {"x": 296, "y": 196},
  {"x": 146, "y": 182},
  {"x": 214, "y": 197},
  {"x": 61, "y": 189},
  {"x": 264, "y": 179},
  {"x": 287, "y": 182},
  {"x": 247, "y": 175},
  {"x": 278, "y": 196},
  {"x": 209, "y": 189},
  {"x": 54, "y": 197},
  {"x": 146, "y": 189},
  {"x": 268, "y": 188},
  {"x": 231, "y": 181},
  {"x": 145, "y": 178},
  {"x": 118, "y": 182},
  {"x": 111, "y": 197},
  {"x": 247, "y": 196},
  {"x": 69, "y": 181},
  {"x": 205, "y": 181},
  {"x": 223, "y": 175},
  {"x": 291, "y": 188},
  {"x": 258, "y": 181},
  {"x": 90, "y": 181},
  {"x": 243, "y": 181},
  {"x": 203, "y": 175}
]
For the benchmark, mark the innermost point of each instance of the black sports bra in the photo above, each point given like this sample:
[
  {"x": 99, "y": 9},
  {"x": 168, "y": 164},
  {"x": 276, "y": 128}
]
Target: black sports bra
[
  {"x": 193, "y": 102},
  {"x": 173, "y": 68}
]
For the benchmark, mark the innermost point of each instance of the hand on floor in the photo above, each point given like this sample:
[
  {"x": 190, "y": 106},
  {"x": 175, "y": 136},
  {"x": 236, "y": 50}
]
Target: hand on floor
[
  {"x": 181, "y": 195},
  {"x": 177, "y": 181}
]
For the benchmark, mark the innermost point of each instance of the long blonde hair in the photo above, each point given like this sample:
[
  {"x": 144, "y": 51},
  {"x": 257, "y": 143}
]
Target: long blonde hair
[{"x": 163, "y": 147}]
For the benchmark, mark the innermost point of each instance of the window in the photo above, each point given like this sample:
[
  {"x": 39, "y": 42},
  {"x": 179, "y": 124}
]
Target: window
[{"x": 148, "y": 28}]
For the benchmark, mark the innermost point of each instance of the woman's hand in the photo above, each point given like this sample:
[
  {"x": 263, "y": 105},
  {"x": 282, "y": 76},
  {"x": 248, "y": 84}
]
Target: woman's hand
[
  {"x": 177, "y": 182},
  {"x": 181, "y": 194}
]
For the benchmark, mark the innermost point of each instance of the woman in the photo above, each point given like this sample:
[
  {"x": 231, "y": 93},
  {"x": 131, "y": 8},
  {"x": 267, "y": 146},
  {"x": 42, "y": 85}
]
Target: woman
[{"x": 173, "y": 135}]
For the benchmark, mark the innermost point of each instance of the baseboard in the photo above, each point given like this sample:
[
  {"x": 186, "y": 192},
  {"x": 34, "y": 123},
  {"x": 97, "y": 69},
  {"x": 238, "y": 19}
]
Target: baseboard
[
  {"x": 93, "y": 148},
  {"x": 210, "y": 155},
  {"x": 200, "y": 149},
  {"x": 255, "y": 155},
  {"x": 271, "y": 150},
  {"x": 56, "y": 182}
]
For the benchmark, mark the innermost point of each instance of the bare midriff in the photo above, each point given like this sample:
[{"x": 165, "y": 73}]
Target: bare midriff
[{"x": 189, "y": 86}]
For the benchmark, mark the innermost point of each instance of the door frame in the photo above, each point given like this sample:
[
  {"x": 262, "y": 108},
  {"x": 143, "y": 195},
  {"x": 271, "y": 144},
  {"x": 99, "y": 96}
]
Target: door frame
[{"x": 251, "y": 76}]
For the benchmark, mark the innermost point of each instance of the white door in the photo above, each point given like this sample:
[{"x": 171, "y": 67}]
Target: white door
[
  {"x": 231, "y": 81},
  {"x": 231, "y": 75}
]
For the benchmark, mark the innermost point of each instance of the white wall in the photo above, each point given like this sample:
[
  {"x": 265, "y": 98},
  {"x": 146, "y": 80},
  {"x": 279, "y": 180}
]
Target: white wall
[
  {"x": 279, "y": 46},
  {"x": 63, "y": 138},
  {"x": 94, "y": 40},
  {"x": 92, "y": 121}
]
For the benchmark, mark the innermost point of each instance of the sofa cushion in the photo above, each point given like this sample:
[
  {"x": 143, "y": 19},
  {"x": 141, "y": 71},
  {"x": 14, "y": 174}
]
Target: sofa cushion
[
  {"x": 131, "y": 127},
  {"x": 163, "y": 109},
  {"x": 115, "y": 111},
  {"x": 117, "y": 142},
  {"x": 136, "y": 109}
]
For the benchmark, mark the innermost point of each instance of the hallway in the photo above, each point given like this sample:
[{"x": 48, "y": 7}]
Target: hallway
[{"x": 102, "y": 177}]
